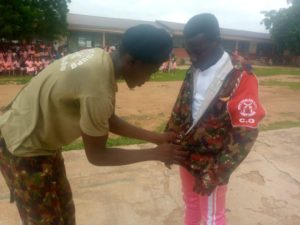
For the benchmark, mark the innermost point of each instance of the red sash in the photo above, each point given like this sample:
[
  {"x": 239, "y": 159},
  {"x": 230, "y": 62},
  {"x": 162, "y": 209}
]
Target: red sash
[{"x": 244, "y": 107}]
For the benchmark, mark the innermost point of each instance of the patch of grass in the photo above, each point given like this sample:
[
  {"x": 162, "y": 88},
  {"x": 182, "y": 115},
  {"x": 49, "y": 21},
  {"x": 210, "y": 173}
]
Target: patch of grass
[
  {"x": 160, "y": 76},
  {"x": 78, "y": 144},
  {"x": 280, "y": 125},
  {"x": 271, "y": 71},
  {"x": 291, "y": 85},
  {"x": 123, "y": 141},
  {"x": 4, "y": 79},
  {"x": 177, "y": 76},
  {"x": 118, "y": 141},
  {"x": 161, "y": 127}
]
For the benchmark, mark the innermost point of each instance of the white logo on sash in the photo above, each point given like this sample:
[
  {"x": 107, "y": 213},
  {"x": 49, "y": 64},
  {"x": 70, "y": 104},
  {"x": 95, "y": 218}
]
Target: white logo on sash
[
  {"x": 247, "y": 107},
  {"x": 77, "y": 59}
]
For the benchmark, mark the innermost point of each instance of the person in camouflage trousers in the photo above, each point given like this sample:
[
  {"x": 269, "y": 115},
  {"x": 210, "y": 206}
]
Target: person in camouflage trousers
[
  {"x": 41, "y": 183},
  {"x": 74, "y": 97}
]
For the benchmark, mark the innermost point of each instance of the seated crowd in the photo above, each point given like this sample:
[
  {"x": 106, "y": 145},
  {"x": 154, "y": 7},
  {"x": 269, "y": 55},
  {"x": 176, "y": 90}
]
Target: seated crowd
[{"x": 27, "y": 58}]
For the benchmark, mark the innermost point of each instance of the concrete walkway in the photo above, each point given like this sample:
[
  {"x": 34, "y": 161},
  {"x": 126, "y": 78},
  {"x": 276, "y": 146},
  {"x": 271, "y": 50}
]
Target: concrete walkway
[{"x": 264, "y": 190}]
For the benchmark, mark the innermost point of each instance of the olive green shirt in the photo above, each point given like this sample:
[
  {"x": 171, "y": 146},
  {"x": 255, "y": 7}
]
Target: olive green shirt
[{"x": 73, "y": 94}]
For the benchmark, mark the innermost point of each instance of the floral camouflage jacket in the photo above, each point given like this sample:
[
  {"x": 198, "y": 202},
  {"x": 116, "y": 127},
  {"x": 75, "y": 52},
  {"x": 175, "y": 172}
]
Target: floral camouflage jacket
[{"x": 216, "y": 147}]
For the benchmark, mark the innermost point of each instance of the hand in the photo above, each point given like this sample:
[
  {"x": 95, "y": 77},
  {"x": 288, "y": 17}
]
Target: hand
[
  {"x": 167, "y": 137},
  {"x": 172, "y": 154}
]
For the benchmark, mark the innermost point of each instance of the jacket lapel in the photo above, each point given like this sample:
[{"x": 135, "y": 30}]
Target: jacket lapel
[{"x": 213, "y": 89}]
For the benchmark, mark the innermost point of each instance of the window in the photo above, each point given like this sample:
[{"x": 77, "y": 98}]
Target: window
[{"x": 85, "y": 42}]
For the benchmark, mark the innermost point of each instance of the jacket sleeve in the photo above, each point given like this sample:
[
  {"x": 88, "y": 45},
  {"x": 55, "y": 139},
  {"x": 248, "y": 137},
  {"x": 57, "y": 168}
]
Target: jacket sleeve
[{"x": 215, "y": 169}]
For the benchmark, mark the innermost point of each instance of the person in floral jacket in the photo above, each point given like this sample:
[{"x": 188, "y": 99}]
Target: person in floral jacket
[{"x": 215, "y": 117}]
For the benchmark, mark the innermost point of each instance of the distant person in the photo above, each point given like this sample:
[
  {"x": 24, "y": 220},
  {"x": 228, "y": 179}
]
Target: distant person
[
  {"x": 215, "y": 116},
  {"x": 75, "y": 97},
  {"x": 173, "y": 64},
  {"x": 164, "y": 67}
]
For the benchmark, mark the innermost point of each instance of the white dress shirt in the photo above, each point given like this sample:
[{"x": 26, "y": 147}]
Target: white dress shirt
[{"x": 203, "y": 79}]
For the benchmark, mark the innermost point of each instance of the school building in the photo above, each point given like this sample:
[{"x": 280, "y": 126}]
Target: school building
[{"x": 92, "y": 31}]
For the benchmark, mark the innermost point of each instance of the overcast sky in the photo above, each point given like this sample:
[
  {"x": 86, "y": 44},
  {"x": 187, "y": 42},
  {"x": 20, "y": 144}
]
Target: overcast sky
[{"x": 235, "y": 14}]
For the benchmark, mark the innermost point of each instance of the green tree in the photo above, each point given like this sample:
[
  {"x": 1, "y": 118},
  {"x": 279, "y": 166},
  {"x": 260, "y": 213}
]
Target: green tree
[
  {"x": 284, "y": 27},
  {"x": 32, "y": 19}
]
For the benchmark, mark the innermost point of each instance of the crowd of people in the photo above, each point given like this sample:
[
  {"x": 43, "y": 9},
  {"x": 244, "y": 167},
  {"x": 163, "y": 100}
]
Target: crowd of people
[
  {"x": 170, "y": 65},
  {"x": 27, "y": 58}
]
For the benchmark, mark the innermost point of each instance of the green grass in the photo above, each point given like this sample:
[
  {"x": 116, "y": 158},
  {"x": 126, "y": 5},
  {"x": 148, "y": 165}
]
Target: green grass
[
  {"x": 179, "y": 76},
  {"x": 291, "y": 85},
  {"x": 160, "y": 76},
  {"x": 280, "y": 125},
  {"x": 118, "y": 141},
  {"x": 4, "y": 79},
  {"x": 128, "y": 141},
  {"x": 271, "y": 71}
]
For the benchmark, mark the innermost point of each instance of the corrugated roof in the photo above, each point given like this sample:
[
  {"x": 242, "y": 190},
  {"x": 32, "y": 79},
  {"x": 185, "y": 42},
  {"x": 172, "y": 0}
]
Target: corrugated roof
[
  {"x": 177, "y": 28},
  {"x": 172, "y": 26},
  {"x": 97, "y": 23},
  {"x": 244, "y": 34}
]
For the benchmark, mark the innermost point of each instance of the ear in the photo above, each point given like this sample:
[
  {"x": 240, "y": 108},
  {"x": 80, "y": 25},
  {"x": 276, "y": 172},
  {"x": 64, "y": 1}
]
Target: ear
[{"x": 128, "y": 60}]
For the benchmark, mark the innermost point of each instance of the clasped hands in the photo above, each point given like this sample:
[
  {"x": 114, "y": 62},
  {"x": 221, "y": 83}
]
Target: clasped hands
[{"x": 170, "y": 150}]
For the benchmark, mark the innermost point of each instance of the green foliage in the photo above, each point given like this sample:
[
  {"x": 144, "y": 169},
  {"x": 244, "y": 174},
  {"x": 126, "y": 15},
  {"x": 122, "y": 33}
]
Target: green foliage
[
  {"x": 33, "y": 19},
  {"x": 284, "y": 26}
]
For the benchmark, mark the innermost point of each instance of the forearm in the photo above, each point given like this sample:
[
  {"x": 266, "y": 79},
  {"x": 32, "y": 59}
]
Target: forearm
[
  {"x": 122, "y": 128},
  {"x": 98, "y": 154},
  {"x": 118, "y": 157}
]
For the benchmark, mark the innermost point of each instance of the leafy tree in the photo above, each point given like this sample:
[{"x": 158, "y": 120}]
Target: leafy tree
[
  {"x": 284, "y": 27},
  {"x": 32, "y": 19}
]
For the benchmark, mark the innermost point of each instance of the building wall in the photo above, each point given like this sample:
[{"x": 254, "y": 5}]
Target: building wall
[{"x": 78, "y": 40}]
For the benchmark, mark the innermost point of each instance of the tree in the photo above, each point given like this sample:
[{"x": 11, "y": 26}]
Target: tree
[
  {"x": 284, "y": 27},
  {"x": 33, "y": 19}
]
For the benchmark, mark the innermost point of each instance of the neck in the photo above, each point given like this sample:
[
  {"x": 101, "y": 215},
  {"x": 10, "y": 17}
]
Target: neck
[{"x": 212, "y": 59}]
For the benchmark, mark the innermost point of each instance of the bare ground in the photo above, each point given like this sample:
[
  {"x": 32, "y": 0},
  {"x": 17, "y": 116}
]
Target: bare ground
[
  {"x": 265, "y": 189},
  {"x": 151, "y": 105}
]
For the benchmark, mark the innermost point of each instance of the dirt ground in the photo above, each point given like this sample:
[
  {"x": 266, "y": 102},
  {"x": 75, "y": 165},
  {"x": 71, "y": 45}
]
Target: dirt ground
[
  {"x": 265, "y": 189},
  {"x": 150, "y": 106}
]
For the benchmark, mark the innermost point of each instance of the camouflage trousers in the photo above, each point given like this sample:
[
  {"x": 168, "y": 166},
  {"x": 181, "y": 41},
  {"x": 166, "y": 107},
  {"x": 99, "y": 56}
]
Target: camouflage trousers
[{"x": 40, "y": 188}]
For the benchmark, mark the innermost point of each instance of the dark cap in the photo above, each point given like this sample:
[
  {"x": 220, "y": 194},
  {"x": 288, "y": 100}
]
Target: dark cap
[
  {"x": 147, "y": 43},
  {"x": 204, "y": 23}
]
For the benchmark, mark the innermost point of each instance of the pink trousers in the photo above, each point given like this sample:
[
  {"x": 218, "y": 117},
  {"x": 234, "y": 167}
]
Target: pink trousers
[{"x": 208, "y": 209}]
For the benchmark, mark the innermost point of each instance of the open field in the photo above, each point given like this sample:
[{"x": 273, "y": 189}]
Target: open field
[
  {"x": 264, "y": 190},
  {"x": 150, "y": 105}
]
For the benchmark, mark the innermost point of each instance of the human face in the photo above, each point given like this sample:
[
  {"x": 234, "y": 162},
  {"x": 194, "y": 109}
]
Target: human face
[
  {"x": 200, "y": 50},
  {"x": 139, "y": 72}
]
